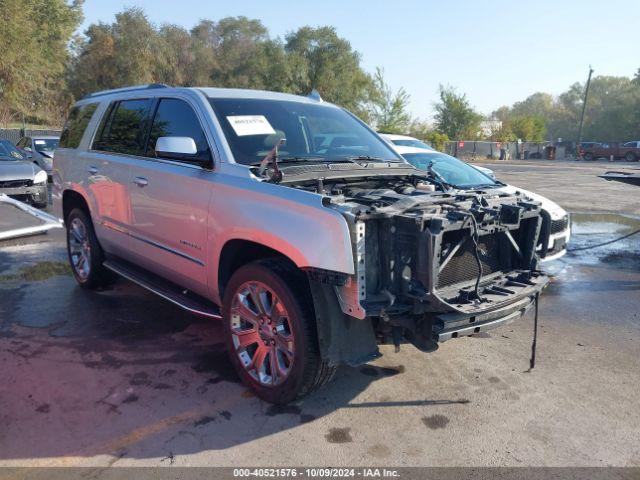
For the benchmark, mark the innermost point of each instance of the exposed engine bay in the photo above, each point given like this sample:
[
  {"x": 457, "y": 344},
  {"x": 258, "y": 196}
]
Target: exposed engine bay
[{"x": 431, "y": 263}]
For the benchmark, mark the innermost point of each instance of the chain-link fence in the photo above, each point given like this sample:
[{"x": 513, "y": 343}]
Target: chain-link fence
[
  {"x": 15, "y": 134},
  {"x": 473, "y": 150}
]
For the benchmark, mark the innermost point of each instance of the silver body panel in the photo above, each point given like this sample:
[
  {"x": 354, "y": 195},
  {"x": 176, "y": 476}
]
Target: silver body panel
[{"x": 177, "y": 224}]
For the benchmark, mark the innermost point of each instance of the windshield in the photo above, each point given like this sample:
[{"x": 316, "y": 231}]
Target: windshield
[
  {"x": 313, "y": 132},
  {"x": 412, "y": 143},
  {"x": 9, "y": 152},
  {"x": 45, "y": 144},
  {"x": 452, "y": 170}
]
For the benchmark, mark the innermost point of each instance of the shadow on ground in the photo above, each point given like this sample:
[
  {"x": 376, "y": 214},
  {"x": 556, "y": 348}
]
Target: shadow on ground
[{"x": 124, "y": 373}]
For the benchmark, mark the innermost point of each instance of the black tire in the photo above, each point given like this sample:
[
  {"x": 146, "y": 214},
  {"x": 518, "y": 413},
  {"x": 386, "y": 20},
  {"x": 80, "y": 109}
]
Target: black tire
[
  {"x": 40, "y": 205},
  {"x": 588, "y": 156},
  {"x": 307, "y": 371},
  {"x": 96, "y": 275},
  {"x": 630, "y": 157}
]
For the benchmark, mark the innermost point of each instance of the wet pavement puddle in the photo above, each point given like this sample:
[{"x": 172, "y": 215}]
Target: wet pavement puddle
[{"x": 591, "y": 229}]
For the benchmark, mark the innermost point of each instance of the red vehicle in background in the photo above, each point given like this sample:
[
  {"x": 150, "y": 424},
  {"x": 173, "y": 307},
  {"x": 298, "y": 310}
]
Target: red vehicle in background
[{"x": 630, "y": 151}]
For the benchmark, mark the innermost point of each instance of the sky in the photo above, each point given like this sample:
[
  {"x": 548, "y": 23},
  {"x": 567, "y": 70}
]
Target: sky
[{"x": 497, "y": 52}]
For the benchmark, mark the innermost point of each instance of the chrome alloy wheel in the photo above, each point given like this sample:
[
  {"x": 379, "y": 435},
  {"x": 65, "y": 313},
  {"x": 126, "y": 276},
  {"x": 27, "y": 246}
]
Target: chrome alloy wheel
[
  {"x": 79, "y": 248},
  {"x": 261, "y": 333}
]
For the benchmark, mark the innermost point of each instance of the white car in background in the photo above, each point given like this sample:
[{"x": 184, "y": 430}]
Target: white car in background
[
  {"x": 405, "y": 141},
  {"x": 462, "y": 176}
]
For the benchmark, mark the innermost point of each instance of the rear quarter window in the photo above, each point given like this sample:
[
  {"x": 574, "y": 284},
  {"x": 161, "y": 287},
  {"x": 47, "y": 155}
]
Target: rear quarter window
[{"x": 76, "y": 124}]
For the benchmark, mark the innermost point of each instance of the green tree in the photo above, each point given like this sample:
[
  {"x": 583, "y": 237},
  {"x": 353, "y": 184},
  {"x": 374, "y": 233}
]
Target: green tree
[
  {"x": 612, "y": 109},
  {"x": 111, "y": 56},
  {"x": 34, "y": 56},
  {"x": 539, "y": 104},
  {"x": 174, "y": 56},
  {"x": 320, "y": 59},
  {"x": 526, "y": 128},
  {"x": 612, "y": 112},
  {"x": 247, "y": 57},
  {"x": 425, "y": 132},
  {"x": 389, "y": 109},
  {"x": 455, "y": 117}
]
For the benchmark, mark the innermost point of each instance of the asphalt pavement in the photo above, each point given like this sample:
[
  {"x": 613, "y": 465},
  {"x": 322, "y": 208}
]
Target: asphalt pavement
[{"x": 121, "y": 377}]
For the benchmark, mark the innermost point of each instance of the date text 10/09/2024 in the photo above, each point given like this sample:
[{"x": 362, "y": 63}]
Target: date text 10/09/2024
[{"x": 316, "y": 472}]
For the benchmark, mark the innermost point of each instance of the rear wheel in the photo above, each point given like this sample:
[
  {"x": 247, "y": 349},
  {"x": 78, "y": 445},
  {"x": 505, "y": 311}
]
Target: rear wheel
[
  {"x": 630, "y": 157},
  {"x": 85, "y": 253},
  {"x": 271, "y": 332}
]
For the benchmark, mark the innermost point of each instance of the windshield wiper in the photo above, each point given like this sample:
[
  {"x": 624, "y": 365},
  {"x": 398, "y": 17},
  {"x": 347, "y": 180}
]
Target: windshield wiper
[
  {"x": 483, "y": 185},
  {"x": 294, "y": 159},
  {"x": 370, "y": 159},
  {"x": 272, "y": 158},
  {"x": 439, "y": 178},
  {"x": 291, "y": 159}
]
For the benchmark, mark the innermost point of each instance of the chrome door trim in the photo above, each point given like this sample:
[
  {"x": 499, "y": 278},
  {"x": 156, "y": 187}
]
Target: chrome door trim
[
  {"x": 113, "y": 226},
  {"x": 166, "y": 249},
  {"x": 152, "y": 243}
]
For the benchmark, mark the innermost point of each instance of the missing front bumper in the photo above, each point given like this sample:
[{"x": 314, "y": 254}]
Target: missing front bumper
[{"x": 454, "y": 325}]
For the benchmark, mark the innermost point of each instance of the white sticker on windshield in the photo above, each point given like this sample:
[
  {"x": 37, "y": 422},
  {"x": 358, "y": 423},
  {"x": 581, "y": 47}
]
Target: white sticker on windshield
[
  {"x": 245, "y": 125},
  {"x": 39, "y": 142}
]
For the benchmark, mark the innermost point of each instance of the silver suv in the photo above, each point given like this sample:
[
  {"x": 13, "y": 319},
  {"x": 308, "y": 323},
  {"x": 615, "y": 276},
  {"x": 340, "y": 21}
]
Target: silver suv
[{"x": 292, "y": 222}]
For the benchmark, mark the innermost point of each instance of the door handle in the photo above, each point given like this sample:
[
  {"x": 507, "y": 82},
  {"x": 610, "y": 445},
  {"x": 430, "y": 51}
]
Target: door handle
[
  {"x": 92, "y": 170},
  {"x": 141, "y": 181}
]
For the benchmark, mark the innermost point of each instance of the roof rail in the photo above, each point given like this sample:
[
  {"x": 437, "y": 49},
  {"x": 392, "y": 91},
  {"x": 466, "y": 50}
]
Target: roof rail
[{"x": 125, "y": 89}]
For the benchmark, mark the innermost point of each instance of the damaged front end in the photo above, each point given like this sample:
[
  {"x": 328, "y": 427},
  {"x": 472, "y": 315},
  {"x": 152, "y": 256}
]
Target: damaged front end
[{"x": 429, "y": 266}]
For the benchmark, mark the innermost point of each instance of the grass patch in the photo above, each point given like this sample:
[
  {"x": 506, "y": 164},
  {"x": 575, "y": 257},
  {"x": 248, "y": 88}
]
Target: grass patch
[{"x": 39, "y": 271}]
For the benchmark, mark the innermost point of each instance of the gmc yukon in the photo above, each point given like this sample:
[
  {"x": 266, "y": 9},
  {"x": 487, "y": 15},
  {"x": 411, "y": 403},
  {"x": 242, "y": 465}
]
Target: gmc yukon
[{"x": 292, "y": 222}]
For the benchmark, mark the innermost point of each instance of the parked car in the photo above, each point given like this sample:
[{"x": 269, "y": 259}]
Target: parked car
[
  {"x": 20, "y": 178},
  {"x": 405, "y": 141},
  {"x": 39, "y": 149},
  {"x": 630, "y": 151},
  {"x": 485, "y": 170},
  {"x": 555, "y": 230},
  {"x": 588, "y": 145},
  {"x": 219, "y": 201}
]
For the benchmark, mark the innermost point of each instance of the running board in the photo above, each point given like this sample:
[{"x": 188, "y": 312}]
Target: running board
[{"x": 177, "y": 295}]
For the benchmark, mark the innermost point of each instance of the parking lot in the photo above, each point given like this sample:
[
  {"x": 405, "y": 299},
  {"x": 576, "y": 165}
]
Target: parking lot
[{"x": 121, "y": 377}]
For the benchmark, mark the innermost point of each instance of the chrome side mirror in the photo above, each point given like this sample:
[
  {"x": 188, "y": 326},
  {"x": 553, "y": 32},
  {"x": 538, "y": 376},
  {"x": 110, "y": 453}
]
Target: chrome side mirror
[{"x": 180, "y": 148}]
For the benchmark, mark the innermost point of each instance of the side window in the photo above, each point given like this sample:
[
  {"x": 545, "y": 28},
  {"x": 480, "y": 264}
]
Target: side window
[
  {"x": 124, "y": 127},
  {"x": 77, "y": 122},
  {"x": 176, "y": 118}
]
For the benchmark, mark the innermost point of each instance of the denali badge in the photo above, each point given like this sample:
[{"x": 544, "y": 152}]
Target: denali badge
[{"x": 189, "y": 244}]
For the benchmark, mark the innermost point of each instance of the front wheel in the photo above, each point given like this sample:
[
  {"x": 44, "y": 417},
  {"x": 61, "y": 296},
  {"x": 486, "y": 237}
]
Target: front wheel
[
  {"x": 588, "y": 156},
  {"x": 630, "y": 157},
  {"x": 271, "y": 332},
  {"x": 85, "y": 253}
]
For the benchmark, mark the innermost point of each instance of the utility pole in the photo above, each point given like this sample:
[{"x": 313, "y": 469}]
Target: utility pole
[{"x": 584, "y": 106}]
